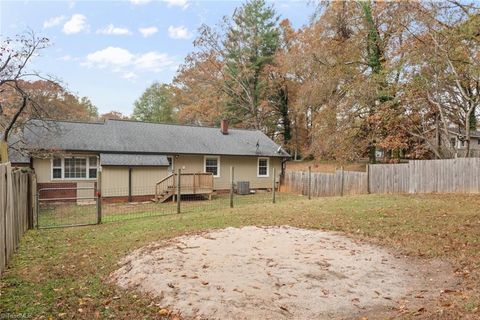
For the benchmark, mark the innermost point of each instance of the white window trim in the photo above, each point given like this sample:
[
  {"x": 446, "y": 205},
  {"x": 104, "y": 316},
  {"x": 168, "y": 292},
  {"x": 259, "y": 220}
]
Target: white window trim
[
  {"x": 173, "y": 163},
  {"x": 51, "y": 169},
  {"x": 268, "y": 167},
  {"x": 73, "y": 179},
  {"x": 218, "y": 164}
]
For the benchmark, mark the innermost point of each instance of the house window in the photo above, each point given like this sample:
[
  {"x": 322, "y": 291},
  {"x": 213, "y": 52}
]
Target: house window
[
  {"x": 262, "y": 167},
  {"x": 212, "y": 164},
  {"x": 452, "y": 142},
  {"x": 57, "y": 168},
  {"x": 92, "y": 167},
  {"x": 75, "y": 168},
  {"x": 170, "y": 164}
]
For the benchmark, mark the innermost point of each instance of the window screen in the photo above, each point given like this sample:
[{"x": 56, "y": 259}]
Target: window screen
[
  {"x": 211, "y": 165},
  {"x": 57, "y": 168},
  {"x": 262, "y": 167},
  {"x": 75, "y": 168},
  {"x": 92, "y": 167}
]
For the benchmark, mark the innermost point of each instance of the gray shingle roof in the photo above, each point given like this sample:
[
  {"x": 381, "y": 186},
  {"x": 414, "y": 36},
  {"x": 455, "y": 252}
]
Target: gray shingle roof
[
  {"x": 120, "y": 136},
  {"x": 15, "y": 156},
  {"x": 16, "y": 150},
  {"x": 473, "y": 133},
  {"x": 115, "y": 159}
]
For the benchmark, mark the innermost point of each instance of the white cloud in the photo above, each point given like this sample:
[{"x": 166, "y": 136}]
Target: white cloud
[
  {"x": 179, "y": 32},
  {"x": 122, "y": 60},
  {"x": 66, "y": 57},
  {"x": 137, "y": 2},
  {"x": 110, "y": 57},
  {"x": 178, "y": 3},
  {"x": 130, "y": 76},
  {"x": 149, "y": 31},
  {"x": 76, "y": 24},
  {"x": 54, "y": 21},
  {"x": 153, "y": 61},
  {"x": 111, "y": 29}
]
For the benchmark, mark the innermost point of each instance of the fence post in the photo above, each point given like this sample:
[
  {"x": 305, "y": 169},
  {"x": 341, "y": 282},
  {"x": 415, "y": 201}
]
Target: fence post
[
  {"x": 30, "y": 201},
  {"x": 99, "y": 197},
  {"x": 130, "y": 185},
  {"x": 368, "y": 178},
  {"x": 309, "y": 182},
  {"x": 37, "y": 204},
  {"x": 273, "y": 186},
  {"x": 232, "y": 183},
  {"x": 342, "y": 182},
  {"x": 179, "y": 193}
]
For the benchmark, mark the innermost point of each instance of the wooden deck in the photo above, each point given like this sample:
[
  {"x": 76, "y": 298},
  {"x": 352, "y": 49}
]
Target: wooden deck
[{"x": 190, "y": 184}]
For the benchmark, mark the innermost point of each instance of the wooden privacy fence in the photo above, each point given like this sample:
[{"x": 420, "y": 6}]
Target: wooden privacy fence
[
  {"x": 460, "y": 175},
  {"x": 17, "y": 197},
  {"x": 326, "y": 184}
]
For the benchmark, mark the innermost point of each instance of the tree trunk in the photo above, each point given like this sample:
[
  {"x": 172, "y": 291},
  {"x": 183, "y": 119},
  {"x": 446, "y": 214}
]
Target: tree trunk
[
  {"x": 372, "y": 157},
  {"x": 287, "y": 135},
  {"x": 438, "y": 136},
  {"x": 467, "y": 138},
  {"x": 468, "y": 128}
]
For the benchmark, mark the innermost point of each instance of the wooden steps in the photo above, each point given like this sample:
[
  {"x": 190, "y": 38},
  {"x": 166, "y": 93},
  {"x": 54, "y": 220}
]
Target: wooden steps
[{"x": 164, "y": 196}]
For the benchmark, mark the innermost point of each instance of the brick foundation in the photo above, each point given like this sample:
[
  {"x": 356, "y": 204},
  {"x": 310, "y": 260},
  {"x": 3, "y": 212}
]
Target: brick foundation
[
  {"x": 58, "y": 194},
  {"x": 121, "y": 199}
]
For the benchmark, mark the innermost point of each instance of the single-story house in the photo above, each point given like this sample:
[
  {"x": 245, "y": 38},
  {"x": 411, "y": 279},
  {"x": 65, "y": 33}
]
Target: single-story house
[
  {"x": 135, "y": 156},
  {"x": 457, "y": 141}
]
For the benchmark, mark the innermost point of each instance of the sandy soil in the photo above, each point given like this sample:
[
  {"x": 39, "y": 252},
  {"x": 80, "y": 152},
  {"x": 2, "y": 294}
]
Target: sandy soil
[{"x": 280, "y": 273}]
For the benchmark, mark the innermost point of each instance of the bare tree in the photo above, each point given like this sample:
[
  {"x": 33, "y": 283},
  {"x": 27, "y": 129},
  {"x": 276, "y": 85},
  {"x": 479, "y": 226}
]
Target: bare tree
[{"x": 16, "y": 55}]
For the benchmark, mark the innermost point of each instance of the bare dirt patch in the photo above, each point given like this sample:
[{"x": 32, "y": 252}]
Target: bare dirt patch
[{"x": 280, "y": 273}]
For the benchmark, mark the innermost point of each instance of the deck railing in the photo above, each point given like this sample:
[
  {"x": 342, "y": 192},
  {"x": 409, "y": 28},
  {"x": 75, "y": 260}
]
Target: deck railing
[{"x": 190, "y": 183}]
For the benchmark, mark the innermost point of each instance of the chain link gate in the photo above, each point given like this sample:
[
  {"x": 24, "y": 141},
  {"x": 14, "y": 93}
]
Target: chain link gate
[{"x": 68, "y": 207}]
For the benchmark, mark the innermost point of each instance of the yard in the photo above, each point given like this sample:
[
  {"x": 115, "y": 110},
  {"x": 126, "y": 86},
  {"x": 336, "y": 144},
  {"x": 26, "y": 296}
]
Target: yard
[{"x": 64, "y": 273}]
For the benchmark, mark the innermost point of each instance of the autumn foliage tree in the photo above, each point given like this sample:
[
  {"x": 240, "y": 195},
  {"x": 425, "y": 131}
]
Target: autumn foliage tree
[
  {"x": 55, "y": 101},
  {"x": 362, "y": 77}
]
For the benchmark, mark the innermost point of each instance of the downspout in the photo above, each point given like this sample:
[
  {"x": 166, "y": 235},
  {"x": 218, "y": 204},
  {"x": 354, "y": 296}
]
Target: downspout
[{"x": 282, "y": 173}]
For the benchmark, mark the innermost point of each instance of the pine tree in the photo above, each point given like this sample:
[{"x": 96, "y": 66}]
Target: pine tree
[{"x": 250, "y": 45}]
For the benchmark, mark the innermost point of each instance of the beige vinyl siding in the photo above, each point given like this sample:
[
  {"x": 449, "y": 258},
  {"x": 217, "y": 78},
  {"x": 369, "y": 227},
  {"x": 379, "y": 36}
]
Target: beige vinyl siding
[
  {"x": 188, "y": 163},
  {"x": 245, "y": 169},
  {"x": 43, "y": 171},
  {"x": 115, "y": 179},
  {"x": 86, "y": 193},
  {"x": 144, "y": 179}
]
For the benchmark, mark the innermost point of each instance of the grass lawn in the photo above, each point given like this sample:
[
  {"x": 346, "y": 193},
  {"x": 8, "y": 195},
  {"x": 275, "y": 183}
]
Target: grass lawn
[
  {"x": 63, "y": 273},
  {"x": 67, "y": 214}
]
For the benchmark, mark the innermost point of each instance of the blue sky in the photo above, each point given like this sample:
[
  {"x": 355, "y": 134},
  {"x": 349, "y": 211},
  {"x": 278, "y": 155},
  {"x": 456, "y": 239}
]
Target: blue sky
[{"x": 110, "y": 51}]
